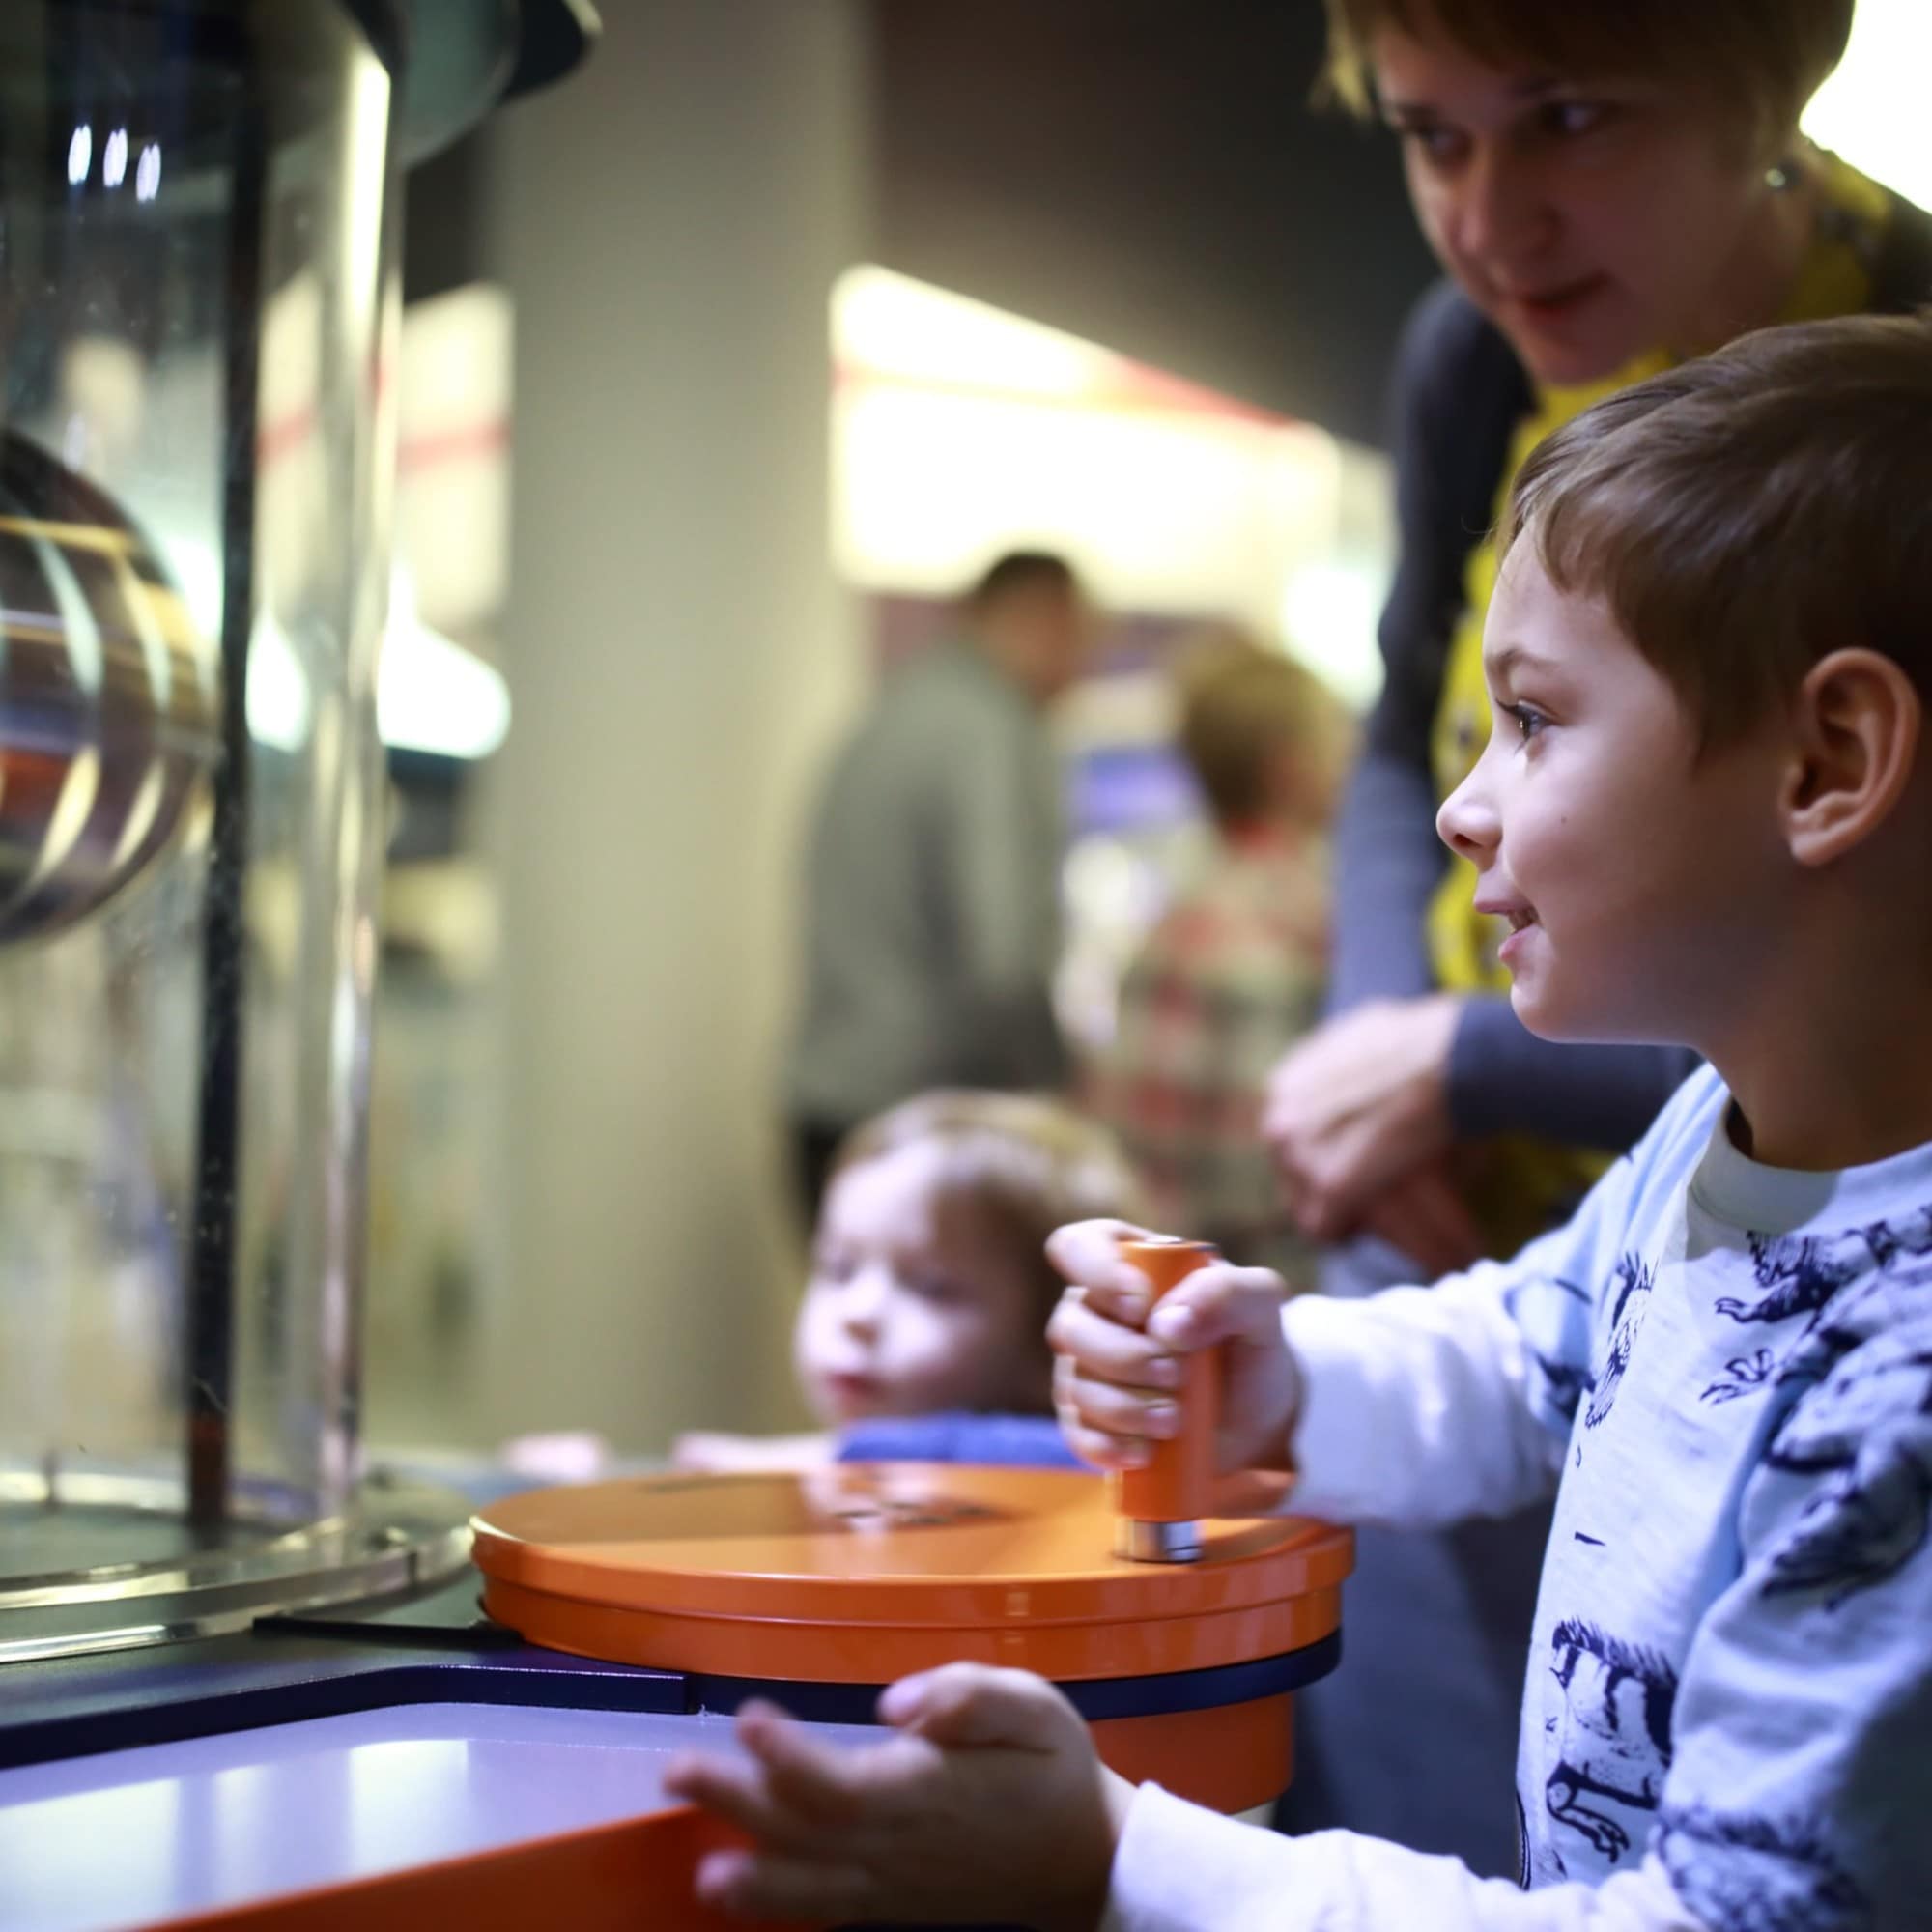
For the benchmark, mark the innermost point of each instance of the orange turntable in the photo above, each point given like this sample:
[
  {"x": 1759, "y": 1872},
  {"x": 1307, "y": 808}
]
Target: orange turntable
[{"x": 1181, "y": 1636}]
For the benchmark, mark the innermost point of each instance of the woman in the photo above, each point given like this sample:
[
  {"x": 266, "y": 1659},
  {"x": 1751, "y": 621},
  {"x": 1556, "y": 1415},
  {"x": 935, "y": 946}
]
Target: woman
[{"x": 1610, "y": 185}]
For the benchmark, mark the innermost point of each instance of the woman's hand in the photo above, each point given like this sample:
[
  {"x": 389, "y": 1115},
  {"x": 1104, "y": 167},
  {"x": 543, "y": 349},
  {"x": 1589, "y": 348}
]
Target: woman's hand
[
  {"x": 989, "y": 1805},
  {"x": 1358, "y": 1105},
  {"x": 1117, "y": 1354},
  {"x": 1423, "y": 1216}
]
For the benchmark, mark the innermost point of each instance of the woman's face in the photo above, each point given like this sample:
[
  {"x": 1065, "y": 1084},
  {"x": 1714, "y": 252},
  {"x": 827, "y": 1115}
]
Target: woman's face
[{"x": 1590, "y": 221}]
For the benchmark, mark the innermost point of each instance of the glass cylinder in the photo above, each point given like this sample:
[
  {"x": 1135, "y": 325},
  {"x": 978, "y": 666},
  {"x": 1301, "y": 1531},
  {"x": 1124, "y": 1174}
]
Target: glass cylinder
[{"x": 197, "y": 322}]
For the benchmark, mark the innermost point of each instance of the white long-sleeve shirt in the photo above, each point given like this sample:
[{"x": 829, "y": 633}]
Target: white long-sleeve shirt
[{"x": 1727, "y": 1723}]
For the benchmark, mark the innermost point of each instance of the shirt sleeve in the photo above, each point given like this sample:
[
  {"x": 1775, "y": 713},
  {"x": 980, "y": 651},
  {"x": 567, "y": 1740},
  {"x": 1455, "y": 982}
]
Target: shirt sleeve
[
  {"x": 1802, "y": 1730},
  {"x": 1182, "y": 1869},
  {"x": 1422, "y": 1407}
]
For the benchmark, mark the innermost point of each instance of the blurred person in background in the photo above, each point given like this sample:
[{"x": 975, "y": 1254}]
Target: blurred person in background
[
  {"x": 1610, "y": 186},
  {"x": 923, "y": 1332},
  {"x": 932, "y": 918},
  {"x": 1232, "y": 971}
]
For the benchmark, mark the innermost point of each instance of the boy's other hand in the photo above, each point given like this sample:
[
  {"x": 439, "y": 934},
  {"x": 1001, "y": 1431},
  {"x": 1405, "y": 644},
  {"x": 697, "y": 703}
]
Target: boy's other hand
[
  {"x": 988, "y": 1806},
  {"x": 1117, "y": 1357}
]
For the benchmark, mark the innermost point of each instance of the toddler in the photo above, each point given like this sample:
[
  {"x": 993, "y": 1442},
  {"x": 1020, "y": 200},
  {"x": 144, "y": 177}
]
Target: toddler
[{"x": 923, "y": 1332}]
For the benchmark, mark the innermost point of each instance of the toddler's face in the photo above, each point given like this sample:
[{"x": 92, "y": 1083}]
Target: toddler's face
[
  {"x": 1640, "y": 881},
  {"x": 910, "y": 1308}
]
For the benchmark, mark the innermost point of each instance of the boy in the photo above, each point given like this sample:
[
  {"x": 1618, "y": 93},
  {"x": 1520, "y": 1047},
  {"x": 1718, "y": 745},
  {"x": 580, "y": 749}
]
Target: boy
[{"x": 1705, "y": 813}]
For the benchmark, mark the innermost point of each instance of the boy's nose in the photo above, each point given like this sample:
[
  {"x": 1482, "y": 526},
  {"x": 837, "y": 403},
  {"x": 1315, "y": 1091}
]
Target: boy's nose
[{"x": 1468, "y": 821}]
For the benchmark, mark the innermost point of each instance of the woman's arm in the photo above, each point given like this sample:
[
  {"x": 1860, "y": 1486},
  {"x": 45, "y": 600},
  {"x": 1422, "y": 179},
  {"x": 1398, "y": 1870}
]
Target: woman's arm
[{"x": 1503, "y": 1079}]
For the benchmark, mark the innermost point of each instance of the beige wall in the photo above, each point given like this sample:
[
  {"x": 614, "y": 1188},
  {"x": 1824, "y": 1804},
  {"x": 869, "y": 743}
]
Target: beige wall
[{"x": 668, "y": 224}]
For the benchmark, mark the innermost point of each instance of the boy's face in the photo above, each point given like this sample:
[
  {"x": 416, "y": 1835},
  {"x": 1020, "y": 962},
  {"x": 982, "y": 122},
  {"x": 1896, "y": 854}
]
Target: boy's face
[
  {"x": 1643, "y": 884},
  {"x": 911, "y": 1309}
]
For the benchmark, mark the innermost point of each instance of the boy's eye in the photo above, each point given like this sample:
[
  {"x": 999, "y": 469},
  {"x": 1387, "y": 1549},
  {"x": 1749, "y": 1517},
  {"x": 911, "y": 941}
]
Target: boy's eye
[
  {"x": 834, "y": 1264},
  {"x": 1529, "y": 720}
]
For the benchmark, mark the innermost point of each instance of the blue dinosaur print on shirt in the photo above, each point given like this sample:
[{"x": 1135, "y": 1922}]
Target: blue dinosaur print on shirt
[
  {"x": 1858, "y": 1533},
  {"x": 1567, "y": 1383},
  {"x": 1632, "y": 1281},
  {"x": 1742, "y": 1374},
  {"x": 1911, "y": 1238},
  {"x": 1867, "y": 1426},
  {"x": 1747, "y": 1874},
  {"x": 1802, "y": 1274},
  {"x": 1799, "y": 1274},
  {"x": 1613, "y": 1743}
]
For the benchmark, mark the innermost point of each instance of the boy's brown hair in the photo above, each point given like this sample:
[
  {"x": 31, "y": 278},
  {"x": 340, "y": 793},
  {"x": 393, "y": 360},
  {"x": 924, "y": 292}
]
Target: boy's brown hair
[
  {"x": 1017, "y": 1165},
  {"x": 1764, "y": 59},
  {"x": 1744, "y": 515},
  {"x": 1242, "y": 707}
]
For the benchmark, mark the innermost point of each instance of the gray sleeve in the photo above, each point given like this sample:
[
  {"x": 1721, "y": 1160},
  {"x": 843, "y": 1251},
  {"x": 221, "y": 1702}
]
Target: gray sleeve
[
  {"x": 1456, "y": 395},
  {"x": 1503, "y": 1079}
]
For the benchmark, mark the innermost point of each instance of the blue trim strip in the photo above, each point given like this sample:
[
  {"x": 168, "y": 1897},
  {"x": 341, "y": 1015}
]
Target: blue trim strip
[
  {"x": 1107, "y": 1698},
  {"x": 74, "y": 1707}
]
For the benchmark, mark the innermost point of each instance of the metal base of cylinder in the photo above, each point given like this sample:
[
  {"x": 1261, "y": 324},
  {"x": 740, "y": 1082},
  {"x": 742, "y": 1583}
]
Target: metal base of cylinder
[{"x": 147, "y": 1577}]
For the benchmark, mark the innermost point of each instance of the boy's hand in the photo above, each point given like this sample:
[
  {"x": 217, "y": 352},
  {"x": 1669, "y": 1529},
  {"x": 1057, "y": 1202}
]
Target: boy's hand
[
  {"x": 989, "y": 1805},
  {"x": 1116, "y": 1364}
]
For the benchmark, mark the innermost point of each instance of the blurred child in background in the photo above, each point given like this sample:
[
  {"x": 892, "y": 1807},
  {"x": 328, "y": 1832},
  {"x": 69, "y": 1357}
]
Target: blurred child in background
[
  {"x": 922, "y": 1335},
  {"x": 1232, "y": 974}
]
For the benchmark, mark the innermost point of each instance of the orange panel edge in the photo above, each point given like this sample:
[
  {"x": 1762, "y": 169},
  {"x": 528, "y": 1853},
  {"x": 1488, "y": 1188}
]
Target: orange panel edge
[{"x": 608, "y": 1878}]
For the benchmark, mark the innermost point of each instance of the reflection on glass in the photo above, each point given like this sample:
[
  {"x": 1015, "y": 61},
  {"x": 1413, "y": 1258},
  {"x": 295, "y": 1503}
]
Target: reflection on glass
[{"x": 196, "y": 418}]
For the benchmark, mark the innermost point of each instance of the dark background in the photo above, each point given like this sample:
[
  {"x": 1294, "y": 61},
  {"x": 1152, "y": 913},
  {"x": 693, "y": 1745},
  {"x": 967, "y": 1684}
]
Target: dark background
[{"x": 1145, "y": 173}]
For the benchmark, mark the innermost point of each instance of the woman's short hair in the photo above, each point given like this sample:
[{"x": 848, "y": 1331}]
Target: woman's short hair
[{"x": 1764, "y": 58}]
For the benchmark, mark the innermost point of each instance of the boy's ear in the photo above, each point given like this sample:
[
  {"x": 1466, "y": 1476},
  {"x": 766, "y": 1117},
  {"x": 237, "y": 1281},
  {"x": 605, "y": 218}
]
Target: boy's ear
[{"x": 1855, "y": 725}]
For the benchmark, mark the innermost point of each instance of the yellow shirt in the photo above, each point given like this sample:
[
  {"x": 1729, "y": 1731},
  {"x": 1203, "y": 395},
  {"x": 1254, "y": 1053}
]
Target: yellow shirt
[{"x": 1521, "y": 1182}]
